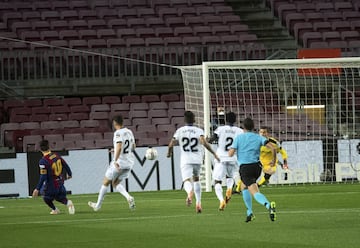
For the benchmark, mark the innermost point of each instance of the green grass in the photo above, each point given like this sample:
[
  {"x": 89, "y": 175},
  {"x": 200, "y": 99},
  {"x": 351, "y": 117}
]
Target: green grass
[{"x": 308, "y": 216}]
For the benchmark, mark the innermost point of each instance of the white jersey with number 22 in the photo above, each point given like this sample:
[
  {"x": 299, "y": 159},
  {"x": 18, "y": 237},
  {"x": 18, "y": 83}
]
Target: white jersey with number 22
[{"x": 189, "y": 140}]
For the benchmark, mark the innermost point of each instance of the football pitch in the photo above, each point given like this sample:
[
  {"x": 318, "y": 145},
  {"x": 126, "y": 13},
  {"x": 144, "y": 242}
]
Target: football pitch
[{"x": 307, "y": 216}]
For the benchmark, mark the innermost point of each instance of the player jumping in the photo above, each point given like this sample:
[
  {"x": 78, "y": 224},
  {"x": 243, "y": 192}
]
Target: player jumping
[
  {"x": 120, "y": 167},
  {"x": 225, "y": 136},
  {"x": 190, "y": 138},
  {"x": 51, "y": 182}
]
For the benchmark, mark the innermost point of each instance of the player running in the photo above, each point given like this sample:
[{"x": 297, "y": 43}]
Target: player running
[
  {"x": 247, "y": 146},
  {"x": 51, "y": 182},
  {"x": 266, "y": 157},
  {"x": 190, "y": 138},
  {"x": 225, "y": 136},
  {"x": 120, "y": 167}
]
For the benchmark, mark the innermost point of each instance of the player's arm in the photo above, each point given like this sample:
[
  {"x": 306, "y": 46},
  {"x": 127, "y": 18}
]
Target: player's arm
[
  {"x": 284, "y": 155},
  {"x": 171, "y": 145},
  {"x": 233, "y": 147},
  {"x": 273, "y": 151},
  {"x": 42, "y": 179},
  {"x": 117, "y": 152},
  {"x": 208, "y": 147},
  {"x": 67, "y": 169},
  {"x": 213, "y": 138}
]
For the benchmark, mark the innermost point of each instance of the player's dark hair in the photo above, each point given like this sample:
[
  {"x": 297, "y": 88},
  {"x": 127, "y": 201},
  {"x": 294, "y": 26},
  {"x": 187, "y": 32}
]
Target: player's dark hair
[
  {"x": 249, "y": 124},
  {"x": 44, "y": 145},
  {"x": 189, "y": 117},
  {"x": 231, "y": 117},
  {"x": 118, "y": 119},
  {"x": 264, "y": 127}
]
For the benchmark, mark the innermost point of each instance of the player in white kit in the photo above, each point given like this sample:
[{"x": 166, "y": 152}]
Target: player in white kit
[
  {"x": 120, "y": 167},
  {"x": 225, "y": 135},
  {"x": 190, "y": 139}
]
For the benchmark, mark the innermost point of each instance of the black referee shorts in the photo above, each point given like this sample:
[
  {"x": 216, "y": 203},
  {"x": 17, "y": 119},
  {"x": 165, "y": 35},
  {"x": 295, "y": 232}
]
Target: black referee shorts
[{"x": 249, "y": 173}]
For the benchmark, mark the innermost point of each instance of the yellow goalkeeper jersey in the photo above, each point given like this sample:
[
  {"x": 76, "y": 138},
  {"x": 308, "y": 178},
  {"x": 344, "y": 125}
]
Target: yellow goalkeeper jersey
[{"x": 266, "y": 154}]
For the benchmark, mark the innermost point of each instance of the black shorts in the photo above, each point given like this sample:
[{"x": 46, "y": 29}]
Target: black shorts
[{"x": 249, "y": 173}]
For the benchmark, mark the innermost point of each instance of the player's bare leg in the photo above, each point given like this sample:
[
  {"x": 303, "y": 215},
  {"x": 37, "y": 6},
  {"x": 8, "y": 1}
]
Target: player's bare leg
[
  {"x": 229, "y": 185},
  {"x": 103, "y": 189},
  {"x": 121, "y": 189},
  {"x": 188, "y": 187},
  {"x": 197, "y": 191},
  {"x": 219, "y": 194}
]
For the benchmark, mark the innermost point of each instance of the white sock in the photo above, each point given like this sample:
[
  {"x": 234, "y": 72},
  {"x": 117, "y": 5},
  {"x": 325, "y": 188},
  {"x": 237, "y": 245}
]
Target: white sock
[
  {"x": 188, "y": 187},
  {"x": 122, "y": 191},
  {"x": 101, "y": 196},
  {"x": 197, "y": 190},
  {"x": 219, "y": 191},
  {"x": 230, "y": 182}
]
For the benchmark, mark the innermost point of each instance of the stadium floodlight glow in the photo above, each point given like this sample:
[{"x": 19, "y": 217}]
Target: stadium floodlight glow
[
  {"x": 274, "y": 93},
  {"x": 306, "y": 107}
]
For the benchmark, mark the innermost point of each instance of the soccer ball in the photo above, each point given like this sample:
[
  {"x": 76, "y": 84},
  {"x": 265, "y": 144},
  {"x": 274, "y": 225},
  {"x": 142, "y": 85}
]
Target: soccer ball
[{"x": 151, "y": 153}]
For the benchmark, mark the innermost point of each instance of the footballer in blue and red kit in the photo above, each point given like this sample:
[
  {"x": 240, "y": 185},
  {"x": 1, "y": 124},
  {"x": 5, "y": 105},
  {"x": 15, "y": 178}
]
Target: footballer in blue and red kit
[{"x": 51, "y": 182}]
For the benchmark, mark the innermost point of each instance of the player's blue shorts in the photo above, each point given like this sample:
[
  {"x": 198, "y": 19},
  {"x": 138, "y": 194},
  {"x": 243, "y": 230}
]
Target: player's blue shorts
[{"x": 56, "y": 194}]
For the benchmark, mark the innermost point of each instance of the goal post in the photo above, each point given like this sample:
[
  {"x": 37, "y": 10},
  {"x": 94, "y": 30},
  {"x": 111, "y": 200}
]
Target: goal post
[{"x": 299, "y": 100}]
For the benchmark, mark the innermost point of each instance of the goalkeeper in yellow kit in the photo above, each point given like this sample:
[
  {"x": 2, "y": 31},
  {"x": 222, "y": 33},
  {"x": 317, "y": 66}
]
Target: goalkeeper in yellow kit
[{"x": 266, "y": 158}]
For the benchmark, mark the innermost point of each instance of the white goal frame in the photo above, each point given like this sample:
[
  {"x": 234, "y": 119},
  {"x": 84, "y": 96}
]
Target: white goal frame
[{"x": 260, "y": 64}]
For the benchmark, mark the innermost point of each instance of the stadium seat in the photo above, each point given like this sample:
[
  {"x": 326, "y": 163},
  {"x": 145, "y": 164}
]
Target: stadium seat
[
  {"x": 158, "y": 105},
  {"x": 69, "y": 15},
  {"x": 97, "y": 24},
  {"x": 29, "y": 125},
  {"x": 91, "y": 100},
  {"x": 80, "y": 109},
  {"x": 52, "y": 102},
  {"x": 141, "y": 121},
  {"x": 86, "y": 144},
  {"x": 143, "y": 142},
  {"x": 117, "y": 24},
  {"x": 93, "y": 136},
  {"x": 165, "y": 128},
  {"x": 50, "y": 125},
  {"x": 103, "y": 143},
  {"x": 333, "y": 16},
  {"x": 39, "y": 117},
  {"x": 301, "y": 28},
  {"x": 331, "y": 36},
  {"x": 350, "y": 15},
  {"x": 343, "y": 6},
  {"x": 341, "y": 26},
  {"x": 60, "y": 109},
  {"x": 99, "y": 115},
  {"x": 158, "y": 113},
  {"x": 154, "y": 22},
  {"x": 131, "y": 99},
  {"x": 310, "y": 37},
  {"x": 73, "y": 136},
  {"x": 79, "y": 116},
  {"x": 72, "y": 101},
  {"x": 116, "y": 43},
  {"x": 139, "y": 106},
  {"x": 69, "y": 124},
  {"x": 169, "y": 97},
  {"x": 161, "y": 121},
  {"x": 11, "y": 103},
  {"x": 59, "y": 25},
  {"x": 350, "y": 35},
  {"x": 31, "y": 143},
  {"x": 338, "y": 44},
  {"x": 58, "y": 117},
  {"x": 89, "y": 123}
]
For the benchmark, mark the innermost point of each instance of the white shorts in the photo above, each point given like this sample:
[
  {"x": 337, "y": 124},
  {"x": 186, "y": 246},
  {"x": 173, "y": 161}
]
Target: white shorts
[
  {"x": 112, "y": 173},
  {"x": 189, "y": 171},
  {"x": 222, "y": 169}
]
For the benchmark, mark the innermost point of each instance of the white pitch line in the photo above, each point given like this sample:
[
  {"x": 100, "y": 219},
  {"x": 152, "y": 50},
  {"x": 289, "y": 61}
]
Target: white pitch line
[
  {"x": 2, "y": 207},
  {"x": 313, "y": 211}
]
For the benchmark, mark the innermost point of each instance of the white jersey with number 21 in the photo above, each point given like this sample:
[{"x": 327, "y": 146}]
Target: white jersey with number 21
[
  {"x": 226, "y": 135},
  {"x": 126, "y": 137},
  {"x": 189, "y": 141}
]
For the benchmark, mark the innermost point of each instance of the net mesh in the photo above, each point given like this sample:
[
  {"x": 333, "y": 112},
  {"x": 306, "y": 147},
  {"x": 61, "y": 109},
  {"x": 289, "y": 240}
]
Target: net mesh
[{"x": 313, "y": 109}]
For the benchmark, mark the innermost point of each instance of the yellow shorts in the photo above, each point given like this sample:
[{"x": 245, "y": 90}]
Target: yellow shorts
[{"x": 269, "y": 169}]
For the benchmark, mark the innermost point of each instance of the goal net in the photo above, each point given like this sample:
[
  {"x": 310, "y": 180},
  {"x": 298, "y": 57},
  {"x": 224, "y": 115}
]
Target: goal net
[{"x": 311, "y": 105}]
